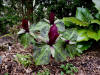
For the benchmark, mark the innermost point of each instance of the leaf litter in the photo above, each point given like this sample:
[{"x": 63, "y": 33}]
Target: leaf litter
[{"x": 87, "y": 64}]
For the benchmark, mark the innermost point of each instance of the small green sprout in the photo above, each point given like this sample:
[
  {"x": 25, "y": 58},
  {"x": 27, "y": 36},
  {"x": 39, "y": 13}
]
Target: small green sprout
[
  {"x": 68, "y": 69},
  {"x": 24, "y": 59}
]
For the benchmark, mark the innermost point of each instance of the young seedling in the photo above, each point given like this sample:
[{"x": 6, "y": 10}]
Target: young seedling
[{"x": 68, "y": 69}]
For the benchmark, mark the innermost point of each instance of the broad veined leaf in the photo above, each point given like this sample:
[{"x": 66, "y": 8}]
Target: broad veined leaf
[
  {"x": 83, "y": 14},
  {"x": 68, "y": 20},
  {"x": 97, "y": 4},
  {"x": 82, "y": 35},
  {"x": 70, "y": 34},
  {"x": 95, "y": 21},
  {"x": 60, "y": 52},
  {"x": 94, "y": 35},
  {"x": 42, "y": 56},
  {"x": 26, "y": 39}
]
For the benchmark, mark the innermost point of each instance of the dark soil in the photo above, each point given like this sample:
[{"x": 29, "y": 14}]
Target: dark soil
[{"x": 87, "y": 64}]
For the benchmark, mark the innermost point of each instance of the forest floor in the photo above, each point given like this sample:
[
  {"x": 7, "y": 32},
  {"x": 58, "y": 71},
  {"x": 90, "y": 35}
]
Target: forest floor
[{"x": 88, "y": 63}]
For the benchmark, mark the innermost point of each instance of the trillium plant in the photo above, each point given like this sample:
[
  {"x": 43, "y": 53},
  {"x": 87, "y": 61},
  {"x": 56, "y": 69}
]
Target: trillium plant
[{"x": 51, "y": 40}]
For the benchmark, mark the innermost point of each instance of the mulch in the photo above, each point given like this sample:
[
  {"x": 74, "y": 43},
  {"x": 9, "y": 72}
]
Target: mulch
[{"x": 88, "y": 63}]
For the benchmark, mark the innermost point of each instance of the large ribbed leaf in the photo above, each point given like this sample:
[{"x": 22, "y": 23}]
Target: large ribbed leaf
[
  {"x": 82, "y": 35},
  {"x": 94, "y": 35},
  {"x": 97, "y": 4},
  {"x": 83, "y": 14},
  {"x": 72, "y": 20}
]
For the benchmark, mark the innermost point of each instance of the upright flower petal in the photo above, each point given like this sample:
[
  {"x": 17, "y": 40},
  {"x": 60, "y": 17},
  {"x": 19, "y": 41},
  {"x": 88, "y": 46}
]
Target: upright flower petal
[
  {"x": 25, "y": 25},
  {"x": 53, "y": 34},
  {"x": 51, "y": 17}
]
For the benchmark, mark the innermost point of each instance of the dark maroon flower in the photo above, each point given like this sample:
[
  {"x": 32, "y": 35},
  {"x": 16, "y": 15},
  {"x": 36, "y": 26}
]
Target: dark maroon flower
[
  {"x": 25, "y": 25},
  {"x": 51, "y": 17},
  {"x": 53, "y": 34}
]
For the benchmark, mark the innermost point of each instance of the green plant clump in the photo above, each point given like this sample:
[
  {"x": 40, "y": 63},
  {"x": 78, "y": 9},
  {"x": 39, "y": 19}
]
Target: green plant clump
[
  {"x": 24, "y": 59},
  {"x": 68, "y": 69},
  {"x": 45, "y": 72}
]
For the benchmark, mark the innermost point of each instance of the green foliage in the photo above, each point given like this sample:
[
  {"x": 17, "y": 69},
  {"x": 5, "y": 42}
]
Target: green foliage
[
  {"x": 42, "y": 50},
  {"x": 84, "y": 19},
  {"x": 84, "y": 45},
  {"x": 82, "y": 35},
  {"x": 97, "y": 21},
  {"x": 94, "y": 35},
  {"x": 68, "y": 69},
  {"x": 42, "y": 55},
  {"x": 6, "y": 74},
  {"x": 85, "y": 35},
  {"x": 26, "y": 39},
  {"x": 8, "y": 17},
  {"x": 24, "y": 59},
  {"x": 68, "y": 20},
  {"x": 83, "y": 14},
  {"x": 62, "y": 7},
  {"x": 76, "y": 37},
  {"x": 97, "y": 4},
  {"x": 45, "y": 72},
  {"x": 60, "y": 51},
  {"x": 70, "y": 34}
]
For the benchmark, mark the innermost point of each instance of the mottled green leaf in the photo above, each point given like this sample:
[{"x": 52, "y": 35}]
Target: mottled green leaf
[
  {"x": 43, "y": 55},
  {"x": 25, "y": 39},
  {"x": 42, "y": 28},
  {"x": 39, "y": 26},
  {"x": 70, "y": 34},
  {"x": 60, "y": 52},
  {"x": 61, "y": 27},
  {"x": 72, "y": 50}
]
